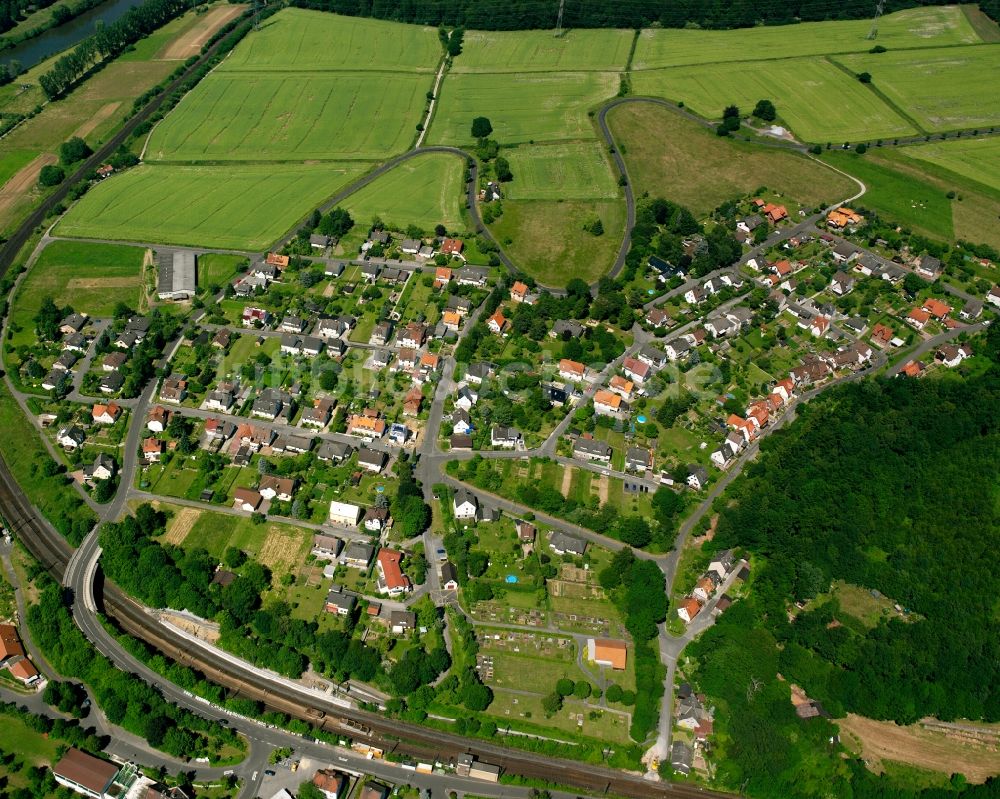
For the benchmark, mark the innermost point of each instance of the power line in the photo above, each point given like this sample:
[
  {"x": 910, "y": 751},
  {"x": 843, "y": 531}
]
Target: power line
[{"x": 878, "y": 13}]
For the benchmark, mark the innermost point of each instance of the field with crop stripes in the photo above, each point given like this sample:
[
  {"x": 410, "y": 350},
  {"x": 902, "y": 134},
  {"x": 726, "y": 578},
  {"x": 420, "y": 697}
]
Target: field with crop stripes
[
  {"x": 564, "y": 171},
  {"x": 540, "y": 51},
  {"x": 424, "y": 191},
  {"x": 936, "y": 26},
  {"x": 816, "y": 99},
  {"x": 239, "y": 206}
]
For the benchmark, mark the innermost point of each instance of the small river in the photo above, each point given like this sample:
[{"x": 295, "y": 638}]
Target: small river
[{"x": 31, "y": 52}]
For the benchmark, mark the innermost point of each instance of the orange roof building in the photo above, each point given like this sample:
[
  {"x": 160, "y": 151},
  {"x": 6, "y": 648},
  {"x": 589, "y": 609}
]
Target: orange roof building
[
  {"x": 391, "y": 577},
  {"x": 607, "y": 399},
  {"x": 280, "y": 261},
  {"x": 622, "y": 386},
  {"x": 936, "y": 308},
  {"x": 607, "y": 652},
  {"x": 913, "y": 369},
  {"x": 10, "y": 643},
  {"x": 103, "y": 412},
  {"x": 497, "y": 323},
  {"x": 452, "y": 246},
  {"x": 366, "y": 425},
  {"x": 442, "y": 276},
  {"x": 689, "y": 608},
  {"x": 919, "y": 316},
  {"x": 573, "y": 370},
  {"x": 451, "y": 320},
  {"x": 519, "y": 291}
]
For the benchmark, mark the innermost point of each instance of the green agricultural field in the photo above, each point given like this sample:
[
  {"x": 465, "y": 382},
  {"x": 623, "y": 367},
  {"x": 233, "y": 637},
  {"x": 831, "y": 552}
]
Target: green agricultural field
[
  {"x": 253, "y": 116},
  {"x": 816, "y": 99},
  {"x": 903, "y": 198},
  {"x": 673, "y": 157},
  {"x": 241, "y": 207},
  {"x": 12, "y": 162},
  {"x": 541, "y": 51},
  {"x": 935, "y": 26},
  {"x": 299, "y": 39},
  {"x": 976, "y": 159},
  {"x": 563, "y": 171},
  {"x": 424, "y": 191},
  {"x": 941, "y": 89},
  {"x": 547, "y": 239},
  {"x": 90, "y": 277},
  {"x": 522, "y": 107}
]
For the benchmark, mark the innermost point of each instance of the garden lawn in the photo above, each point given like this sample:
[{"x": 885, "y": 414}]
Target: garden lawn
[
  {"x": 522, "y": 107},
  {"x": 941, "y": 89},
  {"x": 917, "y": 27},
  {"x": 237, "y": 206},
  {"x": 817, "y": 100},
  {"x": 216, "y": 269},
  {"x": 547, "y": 240},
  {"x": 562, "y": 171},
  {"x": 266, "y": 116},
  {"x": 300, "y": 39},
  {"x": 90, "y": 277},
  {"x": 540, "y": 51},
  {"x": 670, "y": 156},
  {"x": 424, "y": 191},
  {"x": 34, "y": 747},
  {"x": 976, "y": 159}
]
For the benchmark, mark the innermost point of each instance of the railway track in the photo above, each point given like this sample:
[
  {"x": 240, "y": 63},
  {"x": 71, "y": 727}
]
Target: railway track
[{"x": 51, "y": 549}]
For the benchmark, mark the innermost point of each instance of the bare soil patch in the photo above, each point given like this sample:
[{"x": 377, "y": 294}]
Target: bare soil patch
[
  {"x": 884, "y": 740},
  {"x": 100, "y": 283},
  {"x": 602, "y": 488},
  {"x": 91, "y": 124},
  {"x": 566, "y": 482},
  {"x": 180, "y": 526},
  {"x": 23, "y": 181},
  {"x": 191, "y": 42}
]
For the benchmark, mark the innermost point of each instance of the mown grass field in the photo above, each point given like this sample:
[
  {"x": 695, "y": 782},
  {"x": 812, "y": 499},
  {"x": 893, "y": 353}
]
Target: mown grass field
[
  {"x": 424, "y": 191},
  {"x": 570, "y": 171},
  {"x": 522, "y": 107},
  {"x": 299, "y": 39},
  {"x": 547, "y": 240},
  {"x": 904, "y": 198},
  {"x": 90, "y": 277},
  {"x": 976, "y": 159},
  {"x": 918, "y": 27},
  {"x": 541, "y": 51},
  {"x": 253, "y": 116},
  {"x": 11, "y": 162},
  {"x": 816, "y": 99},
  {"x": 941, "y": 89},
  {"x": 673, "y": 157},
  {"x": 217, "y": 269},
  {"x": 238, "y": 206}
]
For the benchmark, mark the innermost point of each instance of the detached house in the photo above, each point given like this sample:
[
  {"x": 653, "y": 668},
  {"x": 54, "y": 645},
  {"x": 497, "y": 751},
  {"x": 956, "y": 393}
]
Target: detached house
[
  {"x": 842, "y": 283},
  {"x": 106, "y": 414},
  {"x": 464, "y": 505},
  {"x": 391, "y": 580},
  {"x": 635, "y": 369},
  {"x": 497, "y": 323},
  {"x": 607, "y": 403},
  {"x": 571, "y": 370},
  {"x": 592, "y": 450}
]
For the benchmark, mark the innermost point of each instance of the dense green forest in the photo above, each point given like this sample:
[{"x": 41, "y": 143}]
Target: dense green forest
[
  {"x": 891, "y": 485},
  {"x": 518, "y": 14}
]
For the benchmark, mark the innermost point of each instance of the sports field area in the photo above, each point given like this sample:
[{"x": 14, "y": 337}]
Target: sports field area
[
  {"x": 941, "y": 89},
  {"x": 90, "y": 277},
  {"x": 257, "y": 116},
  {"x": 239, "y": 206},
  {"x": 816, "y": 99},
  {"x": 936, "y": 26},
  {"x": 541, "y": 51},
  {"x": 298, "y": 39},
  {"x": 673, "y": 157},
  {"x": 562, "y": 171},
  {"x": 976, "y": 159},
  {"x": 523, "y": 107},
  {"x": 424, "y": 191}
]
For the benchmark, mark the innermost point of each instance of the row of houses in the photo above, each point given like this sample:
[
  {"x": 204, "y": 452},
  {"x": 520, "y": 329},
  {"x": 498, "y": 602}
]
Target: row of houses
[
  {"x": 467, "y": 507},
  {"x": 719, "y": 569}
]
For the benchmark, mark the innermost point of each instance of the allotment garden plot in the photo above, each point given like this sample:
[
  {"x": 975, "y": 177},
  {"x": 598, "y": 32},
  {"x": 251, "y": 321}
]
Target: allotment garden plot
[{"x": 241, "y": 206}]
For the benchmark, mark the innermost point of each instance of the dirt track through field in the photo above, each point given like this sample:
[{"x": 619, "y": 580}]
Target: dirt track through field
[
  {"x": 22, "y": 182},
  {"x": 921, "y": 747},
  {"x": 91, "y": 124},
  {"x": 191, "y": 42},
  {"x": 181, "y": 525}
]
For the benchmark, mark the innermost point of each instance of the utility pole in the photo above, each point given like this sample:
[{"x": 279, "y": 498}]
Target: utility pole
[
  {"x": 879, "y": 8},
  {"x": 559, "y": 20}
]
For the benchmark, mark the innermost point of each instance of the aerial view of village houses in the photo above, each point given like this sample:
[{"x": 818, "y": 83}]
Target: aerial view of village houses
[{"x": 476, "y": 399}]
